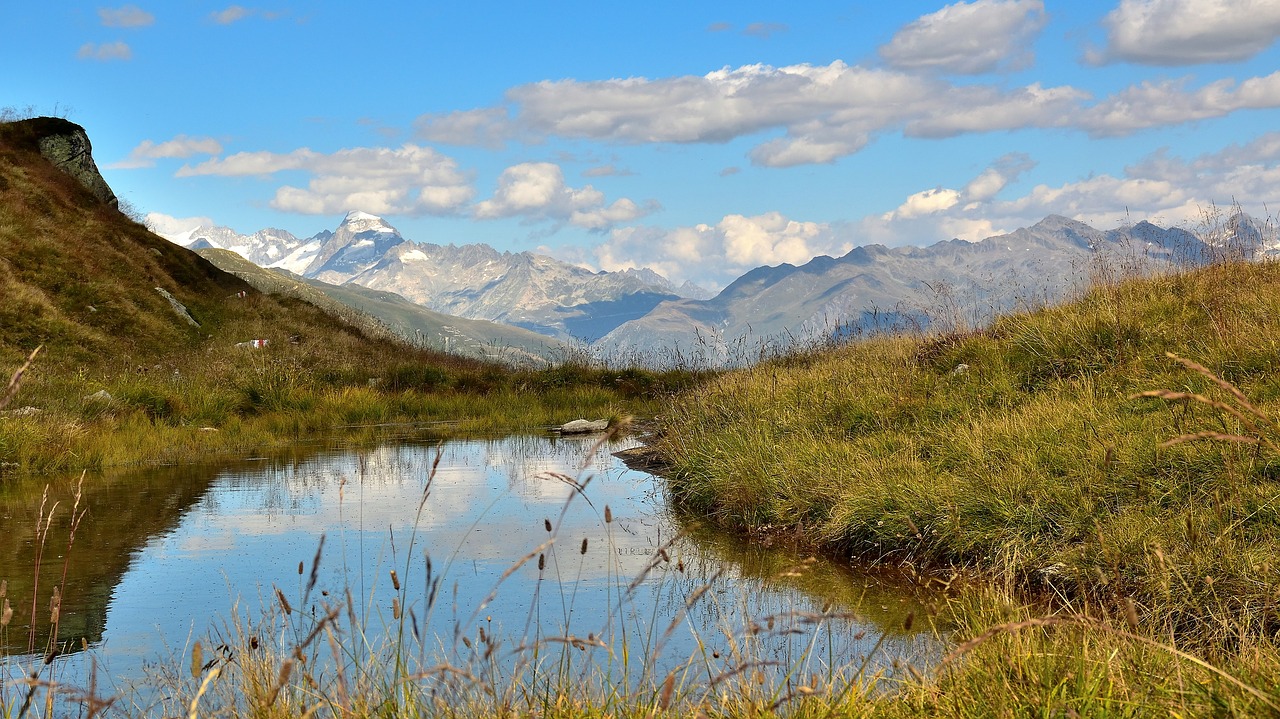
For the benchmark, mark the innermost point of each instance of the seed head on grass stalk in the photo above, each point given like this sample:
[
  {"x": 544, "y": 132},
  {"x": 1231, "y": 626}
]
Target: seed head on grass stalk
[{"x": 1250, "y": 417}]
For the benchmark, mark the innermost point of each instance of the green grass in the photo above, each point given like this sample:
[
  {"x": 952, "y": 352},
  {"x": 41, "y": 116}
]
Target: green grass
[
  {"x": 1020, "y": 455},
  {"x": 1034, "y": 473},
  {"x": 78, "y": 278}
]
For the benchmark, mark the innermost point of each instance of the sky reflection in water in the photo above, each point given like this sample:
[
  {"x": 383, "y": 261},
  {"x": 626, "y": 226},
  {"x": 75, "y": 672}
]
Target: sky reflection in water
[{"x": 488, "y": 506}]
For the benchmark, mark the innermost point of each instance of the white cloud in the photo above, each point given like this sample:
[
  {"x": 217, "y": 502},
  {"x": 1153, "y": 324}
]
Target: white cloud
[
  {"x": 979, "y": 190},
  {"x": 233, "y": 13},
  {"x": 180, "y": 147},
  {"x": 717, "y": 254},
  {"x": 127, "y": 16},
  {"x": 994, "y": 179},
  {"x": 105, "y": 52},
  {"x": 724, "y": 104},
  {"x": 791, "y": 151},
  {"x": 537, "y": 190},
  {"x": 1185, "y": 32},
  {"x": 410, "y": 180},
  {"x": 166, "y": 225},
  {"x": 969, "y": 38},
  {"x": 926, "y": 202},
  {"x": 987, "y": 109},
  {"x": 1164, "y": 188},
  {"x": 825, "y": 112},
  {"x": 487, "y": 127},
  {"x": 1155, "y": 104}
]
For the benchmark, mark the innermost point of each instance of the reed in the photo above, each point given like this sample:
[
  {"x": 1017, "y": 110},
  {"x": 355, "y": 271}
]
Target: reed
[{"x": 314, "y": 651}]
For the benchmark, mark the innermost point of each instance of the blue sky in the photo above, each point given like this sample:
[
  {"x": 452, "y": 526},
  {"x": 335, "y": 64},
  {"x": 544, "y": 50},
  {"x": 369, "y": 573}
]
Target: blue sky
[{"x": 700, "y": 140}]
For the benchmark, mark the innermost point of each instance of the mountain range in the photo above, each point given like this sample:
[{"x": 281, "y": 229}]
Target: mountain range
[
  {"x": 640, "y": 315},
  {"x": 380, "y": 313},
  {"x": 523, "y": 289},
  {"x": 948, "y": 285}
]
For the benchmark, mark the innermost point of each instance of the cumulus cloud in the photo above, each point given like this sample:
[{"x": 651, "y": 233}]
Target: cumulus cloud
[
  {"x": 1187, "y": 32},
  {"x": 926, "y": 202},
  {"x": 969, "y": 37},
  {"x": 168, "y": 225},
  {"x": 994, "y": 179},
  {"x": 410, "y": 180},
  {"x": 537, "y": 190},
  {"x": 717, "y": 254},
  {"x": 979, "y": 190},
  {"x": 986, "y": 109},
  {"x": 180, "y": 147},
  {"x": 1162, "y": 187},
  {"x": 127, "y": 16},
  {"x": 105, "y": 52},
  {"x": 721, "y": 105}
]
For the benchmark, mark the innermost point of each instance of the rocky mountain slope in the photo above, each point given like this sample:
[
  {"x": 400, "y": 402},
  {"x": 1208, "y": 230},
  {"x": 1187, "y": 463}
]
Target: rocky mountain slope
[
  {"x": 946, "y": 285},
  {"x": 386, "y": 313},
  {"x": 523, "y": 289}
]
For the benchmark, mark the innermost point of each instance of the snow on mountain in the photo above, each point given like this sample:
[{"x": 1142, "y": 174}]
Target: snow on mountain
[
  {"x": 524, "y": 289},
  {"x": 358, "y": 243},
  {"x": 265, "y": 248}
]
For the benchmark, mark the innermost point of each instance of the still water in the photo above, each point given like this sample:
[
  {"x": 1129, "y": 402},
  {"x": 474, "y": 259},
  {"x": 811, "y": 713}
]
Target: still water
[{"x": 527, "y": 538}]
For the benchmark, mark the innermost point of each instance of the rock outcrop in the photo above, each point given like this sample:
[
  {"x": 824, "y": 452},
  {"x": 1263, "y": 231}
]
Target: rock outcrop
[{"x": 67, "y": 146}]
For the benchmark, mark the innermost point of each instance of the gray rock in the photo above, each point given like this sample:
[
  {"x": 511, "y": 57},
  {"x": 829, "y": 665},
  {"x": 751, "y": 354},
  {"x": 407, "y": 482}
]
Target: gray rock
[
  {"x": 584, "y": 426},
  {"x": 177, "y": 306},
  {"x": 100, "y": 396},
  {"x": 67, "y": 146},
  {"x": 26, "y": 411}
]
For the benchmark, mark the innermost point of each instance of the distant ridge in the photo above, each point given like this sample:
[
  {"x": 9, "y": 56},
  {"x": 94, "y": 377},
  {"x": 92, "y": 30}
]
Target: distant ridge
[
  {"x": 386, "y": 313},
  {"x": 522, "y": 289},
  {"x": 876, "y": 288}
]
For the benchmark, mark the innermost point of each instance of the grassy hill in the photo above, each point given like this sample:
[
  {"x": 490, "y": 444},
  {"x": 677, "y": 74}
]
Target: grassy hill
[
  {"x": 1027, "y": 456},
  {"x": 82, "y": 280}
]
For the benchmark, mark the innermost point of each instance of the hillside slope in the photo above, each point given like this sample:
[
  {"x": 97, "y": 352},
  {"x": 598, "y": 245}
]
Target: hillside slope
[
  {"x": 1025, "y": 452},
  {"x": 387, "y": 313},
  {"x": 77, "y": 275},
  {"x": 146, "y": 344}
]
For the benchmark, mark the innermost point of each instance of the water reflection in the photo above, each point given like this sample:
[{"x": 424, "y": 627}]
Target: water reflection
[{"x": 510, "y": 535}]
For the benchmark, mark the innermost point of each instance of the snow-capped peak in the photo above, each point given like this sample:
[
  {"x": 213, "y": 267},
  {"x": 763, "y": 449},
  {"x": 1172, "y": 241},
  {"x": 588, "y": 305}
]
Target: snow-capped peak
[
  {"x": 357, "y": 216},
  {"x": 358, "y": 223}
]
